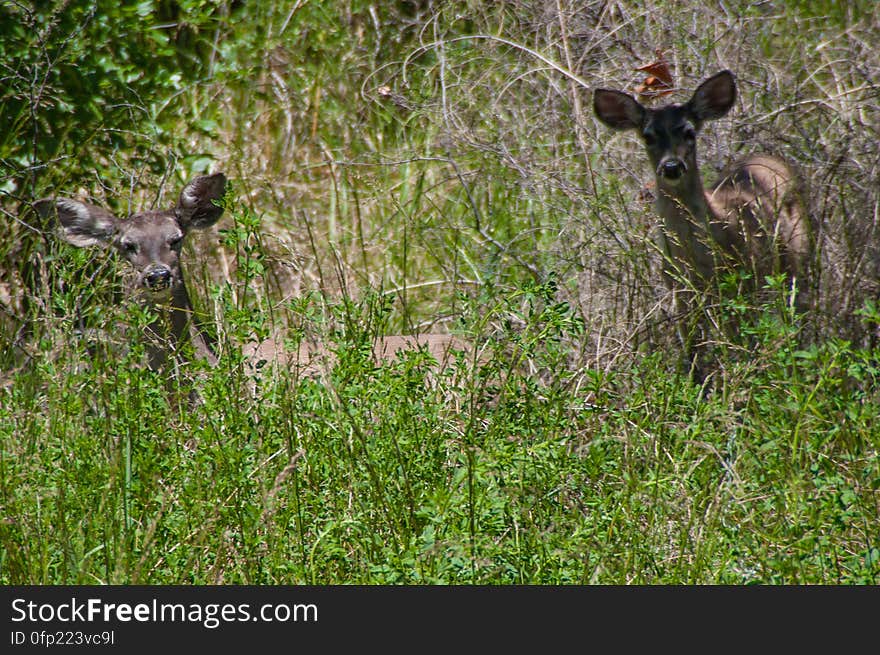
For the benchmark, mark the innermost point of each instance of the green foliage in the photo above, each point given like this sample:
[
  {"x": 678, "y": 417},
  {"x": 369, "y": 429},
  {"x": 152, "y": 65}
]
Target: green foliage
[
  {"x": 375, "y": 474},
  {"x": 839, "y": 13},
  {"x": 86, "y": 80},
  {"x": 407, "y": 167}
]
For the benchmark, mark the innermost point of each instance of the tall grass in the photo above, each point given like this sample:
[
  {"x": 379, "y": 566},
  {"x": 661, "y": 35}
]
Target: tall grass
[{"x": 414, "y": 167}]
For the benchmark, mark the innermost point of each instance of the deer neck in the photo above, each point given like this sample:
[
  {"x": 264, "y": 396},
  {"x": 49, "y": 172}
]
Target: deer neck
[
  {"x": 687, "y": 224},
  {"x": 683, "y": 205},
  {"x": 175, "y": 324}
]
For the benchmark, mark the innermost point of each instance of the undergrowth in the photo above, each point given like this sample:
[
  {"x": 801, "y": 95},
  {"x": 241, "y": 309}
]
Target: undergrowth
[{"x": 413, "y": 167}]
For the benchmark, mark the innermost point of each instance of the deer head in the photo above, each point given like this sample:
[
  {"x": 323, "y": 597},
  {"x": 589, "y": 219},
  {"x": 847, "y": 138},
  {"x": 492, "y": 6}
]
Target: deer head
[{"x": 670, "y": 132}]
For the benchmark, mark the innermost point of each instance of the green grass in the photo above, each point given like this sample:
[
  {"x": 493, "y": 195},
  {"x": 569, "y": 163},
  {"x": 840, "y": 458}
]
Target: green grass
[
  {"x": 398, "y": 474},
  {"x": 390, "y": 177}
]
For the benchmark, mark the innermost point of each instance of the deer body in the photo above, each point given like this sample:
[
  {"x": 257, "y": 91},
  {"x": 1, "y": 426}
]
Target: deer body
[
  {"x": 310, "y": 359},
  {"x": 751, "y": 217},
  {"x": 152, "y": 241}
]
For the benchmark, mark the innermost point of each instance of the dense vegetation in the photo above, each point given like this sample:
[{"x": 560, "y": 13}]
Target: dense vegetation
[{"x": 414, "y": 166}]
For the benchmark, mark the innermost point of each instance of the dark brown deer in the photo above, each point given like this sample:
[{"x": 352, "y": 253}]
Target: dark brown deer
[
  {"x": 151, "y": 242},
  {"x": 750, "y": 219}
]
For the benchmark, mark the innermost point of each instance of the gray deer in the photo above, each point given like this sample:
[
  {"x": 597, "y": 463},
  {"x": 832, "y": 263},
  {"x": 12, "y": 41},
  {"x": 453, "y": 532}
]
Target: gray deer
[
  {"x": 751, "y": 218},
  {"x": 151, "y": 242}
]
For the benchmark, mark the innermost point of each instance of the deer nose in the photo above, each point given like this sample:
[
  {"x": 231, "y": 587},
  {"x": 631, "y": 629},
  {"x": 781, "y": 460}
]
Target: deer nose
[
  {"x": 157, "y": 279},
  {"x": 671, "y": 169}
]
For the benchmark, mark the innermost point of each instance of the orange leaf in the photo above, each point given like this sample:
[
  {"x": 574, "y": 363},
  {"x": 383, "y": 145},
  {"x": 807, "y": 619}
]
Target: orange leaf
[{"x": 658, "y": 81}]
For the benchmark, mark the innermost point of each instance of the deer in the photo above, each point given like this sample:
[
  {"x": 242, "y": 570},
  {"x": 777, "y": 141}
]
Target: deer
[
  {"x": 750, "y": 219},
  {"x": 151, "y": 242}
]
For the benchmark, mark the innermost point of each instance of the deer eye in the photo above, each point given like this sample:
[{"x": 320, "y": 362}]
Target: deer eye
[
  {"x": 649, "y": 138},
  {"x": 690, "y": 134},
  {"x": 129, "y": 247},
  {"x": 175, "y": 243}
]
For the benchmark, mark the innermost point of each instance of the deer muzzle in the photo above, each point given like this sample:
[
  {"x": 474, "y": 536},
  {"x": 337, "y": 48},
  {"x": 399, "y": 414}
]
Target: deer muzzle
[
  {"x": 157, "y": 279},
  {"x": 671, "y": 169}
]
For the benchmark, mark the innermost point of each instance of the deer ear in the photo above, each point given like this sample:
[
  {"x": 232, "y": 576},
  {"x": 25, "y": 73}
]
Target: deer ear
[
  {"x": 714, "y": 97},
  {"x": 196, "y": 208},
  {"x": 79, "y": 223},
  {"x": 618, "y": 110}
]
